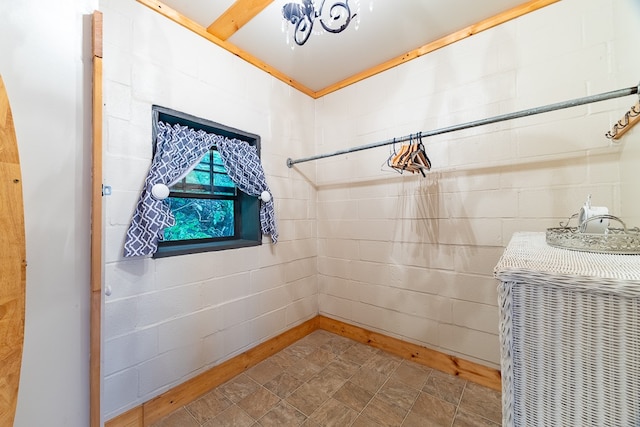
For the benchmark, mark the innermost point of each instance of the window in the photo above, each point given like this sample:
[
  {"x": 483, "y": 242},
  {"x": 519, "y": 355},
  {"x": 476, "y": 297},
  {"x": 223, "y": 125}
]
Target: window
[{"x": 211, "y": 213}]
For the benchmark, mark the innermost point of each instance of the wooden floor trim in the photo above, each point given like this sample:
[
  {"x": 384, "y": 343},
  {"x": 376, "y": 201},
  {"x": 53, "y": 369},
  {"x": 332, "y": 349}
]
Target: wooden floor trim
[
  {"x": 185, "y": 393},
  {"x": 188, "y": 391},
  {"x": 453, "y": 365}
]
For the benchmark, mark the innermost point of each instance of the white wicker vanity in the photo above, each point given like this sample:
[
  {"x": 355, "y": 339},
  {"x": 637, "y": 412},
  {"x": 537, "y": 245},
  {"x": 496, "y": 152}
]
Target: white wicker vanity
[{"x": 570, "y": 335}]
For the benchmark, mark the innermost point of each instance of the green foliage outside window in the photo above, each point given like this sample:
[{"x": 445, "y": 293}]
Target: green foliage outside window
[
  {"x": 203, "y": 203},
  {"x": 200, "y": 219}
]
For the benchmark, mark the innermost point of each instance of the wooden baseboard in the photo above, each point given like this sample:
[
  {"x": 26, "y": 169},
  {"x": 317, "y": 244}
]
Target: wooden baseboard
[
  {"x": 453, "y": 365},
  {"x": 185, "y": 393},
  {"x": 132, "y": 418}
]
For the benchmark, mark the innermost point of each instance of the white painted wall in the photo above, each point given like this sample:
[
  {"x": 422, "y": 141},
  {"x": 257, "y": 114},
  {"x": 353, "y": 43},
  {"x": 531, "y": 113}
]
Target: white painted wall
[
  {"x": 408, "y": 256},
  {"x": 413, "y": 257},
  {"x": 45, "y": 62},
  {"x": 169, "y": 319}
]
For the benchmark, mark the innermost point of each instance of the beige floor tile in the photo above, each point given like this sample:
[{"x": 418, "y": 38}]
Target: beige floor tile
[
  {"x": 384, "y": 413},
  {"x": 358, "y": 353},
  {"x": 353, "y": 396},
  {"x": 317, "y": 338},
  {"x": 327, "y": 381},
  {"x": 303, "y": 370},
  {"x": 320, "y": 357},
  {"x": 343, "y": 368},
  {"x": 368, "y": 379},
  {"x": 433, "y": 410},
  {"x": 307, "y": 399},
  {"x": 264, "y": 371},
  {"x": 337, "y": 344},
  {"x": 416, "y": 420},
  {"x": 233, "y": 416},
  {"x": 282, "y": 415},
  {"x": 300, "y": 349},
  {"x": 208, "y": 406},
  {"x": 383, "y": 363},
  {"x": 364, "y": 421},
  {"x": 283, "y": 385},
  {"x": 465, "y": 419},
  {"x": 259, "y": 402},
  {"x": 397, "y": 393},
  {"x": 444, "y": 386},
  {"x": 332, "y": 413},
  {"x": 482, "y": 401},
  {"x": 284, "y": 359},
  {"x": 412, "y": 374},
  {"x": 238, "y": 388},
  {"x": 178, "y": 418}
]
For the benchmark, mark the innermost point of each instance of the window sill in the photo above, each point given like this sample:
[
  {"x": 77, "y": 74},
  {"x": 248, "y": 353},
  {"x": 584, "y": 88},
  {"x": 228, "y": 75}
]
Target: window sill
[{"x": 167, "y": 251}]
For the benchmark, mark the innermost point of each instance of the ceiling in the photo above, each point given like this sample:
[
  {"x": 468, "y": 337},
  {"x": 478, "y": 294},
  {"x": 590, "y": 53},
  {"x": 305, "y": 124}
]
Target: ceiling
[{"x": 389, "y": 32}]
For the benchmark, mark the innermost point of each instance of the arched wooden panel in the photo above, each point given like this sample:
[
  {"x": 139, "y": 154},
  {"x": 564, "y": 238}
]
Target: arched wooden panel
[{"x": 13, "y": 265}]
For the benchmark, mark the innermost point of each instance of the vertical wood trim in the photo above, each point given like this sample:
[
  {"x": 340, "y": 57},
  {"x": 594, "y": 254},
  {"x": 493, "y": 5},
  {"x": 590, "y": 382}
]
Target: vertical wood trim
[{"x": 96, "y": 227}]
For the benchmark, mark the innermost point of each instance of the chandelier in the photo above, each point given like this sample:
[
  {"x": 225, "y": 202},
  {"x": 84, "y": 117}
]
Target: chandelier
[{"x": 302, "y": 15}]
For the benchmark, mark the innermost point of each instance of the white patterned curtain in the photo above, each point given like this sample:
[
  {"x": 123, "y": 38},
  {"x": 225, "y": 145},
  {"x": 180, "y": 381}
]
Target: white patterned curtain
[
  {"x": 245, "y": 170},
  {"x": 178, "y": 150}
]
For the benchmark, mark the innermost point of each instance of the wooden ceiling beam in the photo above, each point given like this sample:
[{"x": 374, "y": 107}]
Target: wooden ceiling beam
[{"x": 234, "y": 18}]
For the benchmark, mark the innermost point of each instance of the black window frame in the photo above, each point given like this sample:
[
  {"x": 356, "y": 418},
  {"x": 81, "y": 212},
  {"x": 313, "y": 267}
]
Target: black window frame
[{"x": 247, "y": 214}]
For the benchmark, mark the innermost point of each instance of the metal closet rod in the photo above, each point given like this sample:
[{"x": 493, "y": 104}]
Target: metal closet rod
[{"x": 509, "y": 116}]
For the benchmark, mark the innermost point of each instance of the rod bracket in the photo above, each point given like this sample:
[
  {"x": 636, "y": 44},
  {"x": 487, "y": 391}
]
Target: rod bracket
[{"x": 289, "y": 163}]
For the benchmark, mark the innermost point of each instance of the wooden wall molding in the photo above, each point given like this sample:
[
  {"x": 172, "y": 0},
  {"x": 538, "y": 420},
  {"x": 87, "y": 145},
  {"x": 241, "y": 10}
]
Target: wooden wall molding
[
  {"x": 227, "y": 25},
  {"x": 185, "y": 393}
]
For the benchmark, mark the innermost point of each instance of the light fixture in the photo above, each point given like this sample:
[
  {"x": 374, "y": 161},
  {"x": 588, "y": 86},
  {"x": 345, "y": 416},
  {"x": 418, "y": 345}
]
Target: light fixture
[{"x": 334, "y": 18}]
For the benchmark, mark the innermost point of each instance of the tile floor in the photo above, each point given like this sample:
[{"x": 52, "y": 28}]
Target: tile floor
[{"x": 328, "y": 380}]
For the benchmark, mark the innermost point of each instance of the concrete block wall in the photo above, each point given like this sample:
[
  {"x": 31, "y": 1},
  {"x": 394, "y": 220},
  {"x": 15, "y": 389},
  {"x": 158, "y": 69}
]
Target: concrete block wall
[
  {"x": 169, "y": 319},
  {"x": 410, "y": 257},
  {"x": 413, "y": 257}
]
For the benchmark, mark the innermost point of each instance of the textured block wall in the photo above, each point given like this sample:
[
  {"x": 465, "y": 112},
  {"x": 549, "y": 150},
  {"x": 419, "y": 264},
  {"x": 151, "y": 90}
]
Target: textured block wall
[
  {"x": 169, "y": 319},
  {"x": 410, "y": 257},
  {"x": 413, "y": 257}
]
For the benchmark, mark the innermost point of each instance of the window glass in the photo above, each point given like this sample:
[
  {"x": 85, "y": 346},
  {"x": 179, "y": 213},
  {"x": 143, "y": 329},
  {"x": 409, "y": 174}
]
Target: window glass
[
  {"x": 200, "y": 219},
  {"x": 210, "y": 212}
]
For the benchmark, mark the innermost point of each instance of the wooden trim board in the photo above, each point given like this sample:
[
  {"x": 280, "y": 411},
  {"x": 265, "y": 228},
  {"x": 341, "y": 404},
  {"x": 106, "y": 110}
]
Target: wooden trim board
[
  {"x": 453, "y": 365},
  {"x": 483, "y": 25},
  {"x": 187, "y": 392},
  {"x": 13, "y": 263},
  {"x": 95, "y": 375},
  {"x": 187, "y": 23},
  {"x": 232, "y": 26},
  {"x": 234, "y": 18}
]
